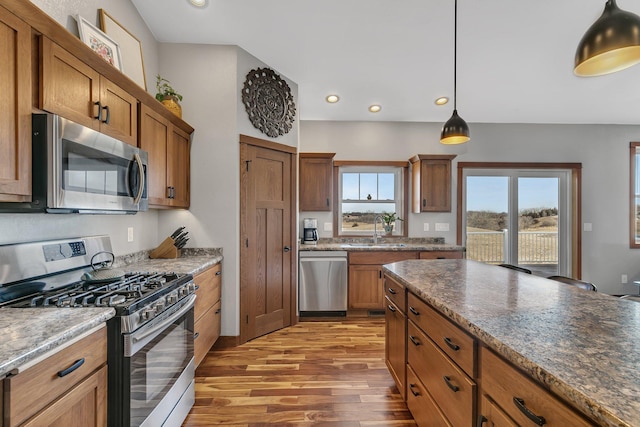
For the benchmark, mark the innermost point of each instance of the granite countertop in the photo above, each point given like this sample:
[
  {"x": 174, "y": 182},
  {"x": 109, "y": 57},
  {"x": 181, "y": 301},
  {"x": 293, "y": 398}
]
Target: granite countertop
[
  {"x": 384, "y": 244},
  {"x": 582, "y": 345},
  {"x": 28, "y": 333}
]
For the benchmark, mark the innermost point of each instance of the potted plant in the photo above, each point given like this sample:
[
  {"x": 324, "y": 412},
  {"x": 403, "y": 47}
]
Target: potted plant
[
  {"x": 168, "y": 96},
  {"x": 388, "y": 220}
]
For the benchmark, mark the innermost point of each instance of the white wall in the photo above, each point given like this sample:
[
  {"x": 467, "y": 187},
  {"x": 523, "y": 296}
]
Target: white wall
[
  {"x": 603, "y": 151},
  {"x": 211, "y": 78}
]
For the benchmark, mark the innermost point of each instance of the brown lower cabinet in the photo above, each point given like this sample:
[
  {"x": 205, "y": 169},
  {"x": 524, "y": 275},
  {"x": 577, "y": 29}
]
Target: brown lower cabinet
[
  {"x": 451, "y": 379},
  {"x": 207, "y": 311},
  {"x": 39, "y": 396}
]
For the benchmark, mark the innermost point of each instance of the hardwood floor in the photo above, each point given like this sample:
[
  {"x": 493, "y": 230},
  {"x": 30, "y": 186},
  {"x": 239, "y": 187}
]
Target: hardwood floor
[{"x": 314, "y": 373}]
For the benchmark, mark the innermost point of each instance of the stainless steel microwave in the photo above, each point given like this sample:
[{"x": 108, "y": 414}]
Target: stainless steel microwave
[{"x": 79, "y": 170}]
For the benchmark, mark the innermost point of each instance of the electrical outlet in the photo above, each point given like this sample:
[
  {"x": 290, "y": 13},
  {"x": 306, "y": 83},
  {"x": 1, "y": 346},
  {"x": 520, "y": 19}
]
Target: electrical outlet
[
  {"x": 624, "y": 279},
  {"x": 130, "y": 234},
  {"x": 587, "y": 226},
  {"x": 426, "y": 226},
  {"x": 328, "y": 226},
  {"x": 442, "y": 226}
]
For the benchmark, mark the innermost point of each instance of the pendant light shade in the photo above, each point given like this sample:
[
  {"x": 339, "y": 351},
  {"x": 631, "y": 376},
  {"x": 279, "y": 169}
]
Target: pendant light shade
[
  {"x": 455, "y": 130},
  {"x": 611, "y": 44}
]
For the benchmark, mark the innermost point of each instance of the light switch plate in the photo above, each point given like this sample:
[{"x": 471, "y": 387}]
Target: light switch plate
[
  {"x": 588, "y": 226},
  {"x": 442, "y": 226},
  {"x": 426, "y": 226},
  {"x": 130, "y": 234}
]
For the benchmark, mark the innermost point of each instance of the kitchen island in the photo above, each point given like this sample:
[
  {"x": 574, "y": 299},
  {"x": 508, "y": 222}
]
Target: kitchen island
[{"x": 581, "y": 346}]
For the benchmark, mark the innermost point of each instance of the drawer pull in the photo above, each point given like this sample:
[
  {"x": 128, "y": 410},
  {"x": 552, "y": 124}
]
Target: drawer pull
[
  {"x": 196, "y": 335},
  {"x": 390, "y": 307},
  {"x": 414, "y": 340},
  {"x": 71, "y": 368},
  {"x": 414, "y": 311},
  {"x": 451, "y": 345},
  {"x": 392, "y": 291},
  {"x": 533, "y": 417},
  {"x": 453, "y": 387},
  {"x": 218, "y": 311},
  {"x": 197, "y": 287},
  {"x": 481, "y": 420},
  {"x": 413, "y": 391},
  {"x": 218, "y": 273}
]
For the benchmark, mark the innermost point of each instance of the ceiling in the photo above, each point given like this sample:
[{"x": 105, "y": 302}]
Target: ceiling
[{"x": 515, "y": 57}]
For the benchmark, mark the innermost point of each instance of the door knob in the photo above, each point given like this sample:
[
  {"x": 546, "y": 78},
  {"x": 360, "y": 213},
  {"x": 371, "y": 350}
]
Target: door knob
[{"x": 287, "y": 248}]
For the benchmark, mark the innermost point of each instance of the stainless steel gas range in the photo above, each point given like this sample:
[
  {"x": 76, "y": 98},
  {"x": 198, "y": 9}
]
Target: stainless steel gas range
[{"x": 150, "y": 340}]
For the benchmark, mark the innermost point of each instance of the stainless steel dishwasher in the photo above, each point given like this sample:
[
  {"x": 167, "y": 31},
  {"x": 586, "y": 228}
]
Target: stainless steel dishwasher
[{"x": 323, "y": 283}]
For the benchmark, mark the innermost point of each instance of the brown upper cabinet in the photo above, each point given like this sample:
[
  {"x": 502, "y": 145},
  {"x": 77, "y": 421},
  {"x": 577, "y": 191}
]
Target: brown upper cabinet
[
  {"x": 431, "y": 181},
  {"x": 15, "y": 116},
  {"x": 316, "y": 181},
  {"x": 76, "y": 91},
  {"x": 169, "y": 166}
]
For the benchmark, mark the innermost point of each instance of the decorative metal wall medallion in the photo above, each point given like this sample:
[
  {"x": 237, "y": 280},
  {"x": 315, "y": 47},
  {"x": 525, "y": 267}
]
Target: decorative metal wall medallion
[{"x": 269, "y": 102}]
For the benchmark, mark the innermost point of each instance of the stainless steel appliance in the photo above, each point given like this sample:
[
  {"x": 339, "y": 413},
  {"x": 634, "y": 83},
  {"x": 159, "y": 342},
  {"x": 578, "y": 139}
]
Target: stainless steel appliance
[
  {"x": 323, "y": 283},
  {"x": 150, "y": 340},
  {"x": 77, "y": 169},
  {"x": 310, "y": 231}
]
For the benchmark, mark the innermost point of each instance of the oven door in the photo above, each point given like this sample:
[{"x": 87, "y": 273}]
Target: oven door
[{"x": 160, "y": 362}]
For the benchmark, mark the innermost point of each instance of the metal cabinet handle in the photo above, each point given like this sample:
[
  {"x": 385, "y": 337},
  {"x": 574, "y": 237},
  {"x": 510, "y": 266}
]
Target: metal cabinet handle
[
  {"x": 218, "y": 273},
  {"x": 527, "y": 412},
  {"x": 390, "y": 307},
  {"x": 196, "y": 335},
  {"x": 71, "y": 368},
  {"x": 411, "y": 387},
  {"x": 218, "y": 311},
  {"x": 451, "y": 345},
  {"x": 287, "y": 248},
  {"x": 424, "y": 203},
  {"x": 108, "y": 119},
  {"x": 392, "y": 291},
  {"x": 414, "y": 340},
  {"x": 453, "y": 387},
  {"x": 197, "y": 287},
  {"x": 481, "y": 420},
  {"x": 414, "y": 311},
  {"x": 327, "y": 202},
  {"x": 99, "y": 116}
]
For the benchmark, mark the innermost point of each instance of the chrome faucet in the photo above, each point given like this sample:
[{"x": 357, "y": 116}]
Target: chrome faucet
[{"x": 375, "y": 228}]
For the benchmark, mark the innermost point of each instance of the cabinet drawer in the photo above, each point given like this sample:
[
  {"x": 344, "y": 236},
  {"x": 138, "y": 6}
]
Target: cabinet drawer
[
  {"x": 208, "y": 292},
  {"x": 441, "y": 255},
  {"x": 459, "y": 346},
  {"x": 206, "y": 331},
  {"x": 505, "y": 384},
  {"x": 36, "y": 387},
  {"x": 451, "y": 389},
  {"x": 492, "y": 415},
  {"x": 395, "y": 292},
  {"x": 424, "y": 410},
  {"x": 380, "y": 257}
]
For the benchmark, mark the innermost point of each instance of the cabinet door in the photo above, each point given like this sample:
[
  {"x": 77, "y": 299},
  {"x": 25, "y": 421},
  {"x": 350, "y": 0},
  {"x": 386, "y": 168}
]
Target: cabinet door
[
  {"x": 431, "y": 179},
  {"x": 492, "y": 416},
  {"x": 120, "y": 113},
  {"x": 395, "y": 344},
  {"x": 316, "y": 181},
  {"x": 178, "y": 168},
  {"x": 154, "y": 139},
  {"x": 70, "y": 87},
  {"x": 15, "y": 110},
  {"x": 85, "y": 405},
  {"x": 365, "y": 287}
]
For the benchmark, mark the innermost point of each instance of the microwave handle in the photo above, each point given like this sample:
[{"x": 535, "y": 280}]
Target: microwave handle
[{"x": 138, "y": 160}]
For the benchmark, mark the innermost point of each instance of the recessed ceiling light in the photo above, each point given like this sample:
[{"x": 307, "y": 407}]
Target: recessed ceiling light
[
  {"x": 375, "y": 108},
  {"x": 332, "y": 99},
  {"x": 442, "y": 100},
  {"x": 198, "y": 3}
]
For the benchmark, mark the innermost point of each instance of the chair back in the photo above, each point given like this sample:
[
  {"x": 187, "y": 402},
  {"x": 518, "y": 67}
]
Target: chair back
[
  {"x": 515, "y": 267},
  {"x": 587, "y": 286}
]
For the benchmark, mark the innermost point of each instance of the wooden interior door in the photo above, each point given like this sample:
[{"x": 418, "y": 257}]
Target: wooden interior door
[{"x": 267, "y": 250}]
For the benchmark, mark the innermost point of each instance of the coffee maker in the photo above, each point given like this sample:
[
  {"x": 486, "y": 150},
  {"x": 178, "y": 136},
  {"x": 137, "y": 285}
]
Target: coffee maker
[{"x": 310, "y": 231}]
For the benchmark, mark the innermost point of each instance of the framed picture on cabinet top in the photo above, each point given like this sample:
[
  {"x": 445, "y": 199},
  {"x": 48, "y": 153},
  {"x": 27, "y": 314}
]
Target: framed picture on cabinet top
[
  {"x": 130, "y": 48},
  {"x": 99, "y": 42}
]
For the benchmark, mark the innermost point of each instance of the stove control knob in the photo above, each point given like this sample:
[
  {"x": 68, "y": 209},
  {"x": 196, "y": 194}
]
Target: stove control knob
[
  {"x": 191, "y": 287},
  {"x": 159, "y": 306},
  {"x": 147, "y": 313},
  {"x": 183, "y": 291},
  {"x": 172, "y": 298}
]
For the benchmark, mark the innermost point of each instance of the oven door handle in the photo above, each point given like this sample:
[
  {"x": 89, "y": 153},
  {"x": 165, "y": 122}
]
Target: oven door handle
[{"x": 188, "y": 306}]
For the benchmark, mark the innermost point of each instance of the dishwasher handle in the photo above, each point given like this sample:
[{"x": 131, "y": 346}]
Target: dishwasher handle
[{"x": 333, "y": 259}]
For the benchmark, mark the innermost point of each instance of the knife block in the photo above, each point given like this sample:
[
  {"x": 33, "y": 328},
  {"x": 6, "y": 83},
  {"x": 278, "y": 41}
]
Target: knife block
[{"x": 165, "y": 250}]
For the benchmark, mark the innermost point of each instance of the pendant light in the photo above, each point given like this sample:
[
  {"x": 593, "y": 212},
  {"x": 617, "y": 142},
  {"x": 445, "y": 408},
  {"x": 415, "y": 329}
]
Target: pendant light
[
  {"x": 611, "y": 44},
  {"x": 455, "y": 130}
]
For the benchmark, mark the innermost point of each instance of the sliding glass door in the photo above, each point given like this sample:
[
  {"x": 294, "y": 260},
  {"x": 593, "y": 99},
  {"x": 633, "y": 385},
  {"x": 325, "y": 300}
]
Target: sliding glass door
[{"x": 518, "y": 217}]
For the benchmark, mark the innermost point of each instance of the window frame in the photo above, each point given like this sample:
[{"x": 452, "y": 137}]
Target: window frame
[{"x": 404, "y": 191}]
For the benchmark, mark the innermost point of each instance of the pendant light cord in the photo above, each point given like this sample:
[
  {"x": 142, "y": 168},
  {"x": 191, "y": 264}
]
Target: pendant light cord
[{"x": 455, "y": 53}]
